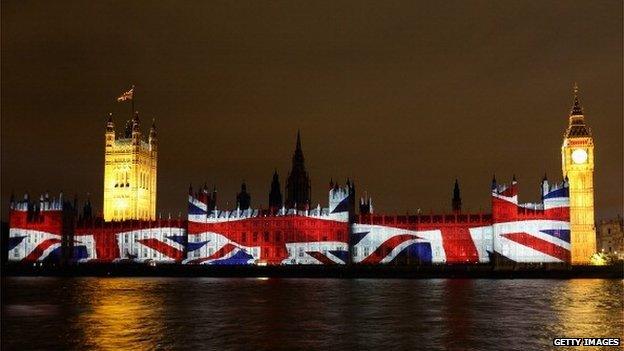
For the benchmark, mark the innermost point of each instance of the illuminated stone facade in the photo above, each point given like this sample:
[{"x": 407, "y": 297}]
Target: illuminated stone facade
[
  {"x": 130, "y": 172},
  {"x": 577, "y": 155},
  {"x": 610, "y": 237}
]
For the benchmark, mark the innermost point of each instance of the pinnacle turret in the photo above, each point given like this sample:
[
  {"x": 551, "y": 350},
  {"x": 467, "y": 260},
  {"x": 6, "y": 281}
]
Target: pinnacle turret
[
  {"x": 577, "y": 109},
  {"x": 577, "y": 126},
  {"x": 456, "y": 202}
]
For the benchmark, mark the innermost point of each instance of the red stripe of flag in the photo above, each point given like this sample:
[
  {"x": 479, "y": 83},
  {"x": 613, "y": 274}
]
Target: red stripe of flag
[
  {"x": 319, "y": 256},
  {"x": 166, "y": 249},
  {"x": 540, "y": 245},
  {"x": 38, "y": 251},
  {"x": 226, "y": 249},
  {"x": 387, "y": 246}
]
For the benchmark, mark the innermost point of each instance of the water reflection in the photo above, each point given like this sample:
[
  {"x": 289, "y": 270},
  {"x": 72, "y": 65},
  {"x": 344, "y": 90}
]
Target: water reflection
[
  {"x": 586, "y": 307},
  {"x": 123, "y": 312},
  {"x": 457, "y": 313},
  {"x": 223, "y": 314}
]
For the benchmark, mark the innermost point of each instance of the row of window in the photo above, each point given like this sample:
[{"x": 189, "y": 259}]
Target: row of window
[
  {"x": 281, "y": 222},
  {"x": 275, "y": 237}
]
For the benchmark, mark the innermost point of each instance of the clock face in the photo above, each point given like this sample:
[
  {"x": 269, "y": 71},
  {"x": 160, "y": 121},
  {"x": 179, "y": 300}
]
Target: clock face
[{"x": 579, "y": 156}]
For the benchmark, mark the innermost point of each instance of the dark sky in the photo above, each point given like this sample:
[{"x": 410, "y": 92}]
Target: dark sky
[{"x": 401, "y": 96}]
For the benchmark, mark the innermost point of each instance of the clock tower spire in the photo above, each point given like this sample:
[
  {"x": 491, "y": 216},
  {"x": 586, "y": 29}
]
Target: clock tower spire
[{"x": 577, "y": 156}]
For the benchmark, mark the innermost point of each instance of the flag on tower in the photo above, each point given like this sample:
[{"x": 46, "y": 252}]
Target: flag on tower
[{"x": 128, "y": 95}]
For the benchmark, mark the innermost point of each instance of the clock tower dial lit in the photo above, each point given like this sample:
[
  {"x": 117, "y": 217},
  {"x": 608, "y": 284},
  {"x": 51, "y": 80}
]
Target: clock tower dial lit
[{"x": 577, "y": 158}]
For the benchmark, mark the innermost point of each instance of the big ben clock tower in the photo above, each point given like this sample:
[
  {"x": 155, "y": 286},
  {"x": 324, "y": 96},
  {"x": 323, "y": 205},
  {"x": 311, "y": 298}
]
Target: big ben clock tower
[{"x": 577, "y": 156}]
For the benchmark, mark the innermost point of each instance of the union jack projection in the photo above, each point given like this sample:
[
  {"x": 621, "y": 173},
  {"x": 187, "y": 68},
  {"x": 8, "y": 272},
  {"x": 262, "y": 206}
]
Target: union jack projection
[
  {"x": 422, "y": 239},
  {"x": 524, "y": 233},
  {"x": 36, "y": 232},
  {"x": 532, "y": 233},
  {"x": 287, "y": 236},
  {"x": 140, "y": 241}
]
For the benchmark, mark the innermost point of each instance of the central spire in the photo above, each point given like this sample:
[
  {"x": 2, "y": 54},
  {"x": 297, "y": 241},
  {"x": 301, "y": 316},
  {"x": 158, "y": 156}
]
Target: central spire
[
  {"x": 298, "y": 188},
  {"x": 577, "y": 126},
  {"x": 298, "y": 148},
  {"x": 577, "y": 109}
]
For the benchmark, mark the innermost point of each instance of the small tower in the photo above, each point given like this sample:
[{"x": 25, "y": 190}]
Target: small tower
[
  {"x": 153, "y": 140},
  {"x": 456, "y": 201},
  {"x": 136, "y": 130},
  {"x": 87, "y": 210},
  {"x": 366, "y": 205},
  {"x": 577, "y": 160},
  {"x": 545, "y": 188},
  {"x": 243, "y": 199},
  {"x": 275, "y": 195},
  {"x": 110, "y": 132}
]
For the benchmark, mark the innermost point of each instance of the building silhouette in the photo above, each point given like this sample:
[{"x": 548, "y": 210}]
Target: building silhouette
[
  {"x": 275, "y": 195},
  {"x": 298, "y": 185}
]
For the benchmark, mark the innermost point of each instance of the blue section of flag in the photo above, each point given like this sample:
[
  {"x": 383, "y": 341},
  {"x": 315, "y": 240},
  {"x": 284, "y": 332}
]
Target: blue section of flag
[
  {"x": 341, "y": 254},
  {"x": 14, "y": 241},
  {"x": 194, "y": 246},
  {"x": 563, "y": 234},
  {"x": 343, "y": 206},
  {"x": 54, "y": 256},
  {"x": 416, "y": 251},
  {"x": 194, "y": 210},
  {"x": 80, "y": 252},
  {"x": 241, "y": 257},
  {"x": 180, "y": 239},
  {"x": 357, "y": 237},
  {"x": 563, "y": 192}
]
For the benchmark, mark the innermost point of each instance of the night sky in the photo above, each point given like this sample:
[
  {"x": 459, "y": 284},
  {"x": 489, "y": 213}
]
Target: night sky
[{"x": 403, "y": 97}]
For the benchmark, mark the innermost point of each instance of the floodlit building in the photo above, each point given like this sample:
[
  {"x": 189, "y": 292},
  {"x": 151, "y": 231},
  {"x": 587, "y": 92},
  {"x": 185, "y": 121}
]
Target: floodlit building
[
  {"x": 292, "y": 230},
  {"x": 577, "y": 157},
  {"x": 130, "y": 170},
  {"x": 610, "y": 237}
]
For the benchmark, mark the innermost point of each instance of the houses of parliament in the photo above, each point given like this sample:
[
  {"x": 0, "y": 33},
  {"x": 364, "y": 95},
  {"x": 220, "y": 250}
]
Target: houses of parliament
[{"x": 559, "y": 229}]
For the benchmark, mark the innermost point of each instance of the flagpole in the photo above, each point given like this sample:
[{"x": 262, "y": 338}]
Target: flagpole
[{"x": 133, "y": 94}]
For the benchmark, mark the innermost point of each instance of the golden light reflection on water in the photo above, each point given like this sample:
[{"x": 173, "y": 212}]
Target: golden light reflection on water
[
  {"x": 123, "y": 315},
  {"x": 588, "y": 308},
  {"x": 199, "y": 313}
]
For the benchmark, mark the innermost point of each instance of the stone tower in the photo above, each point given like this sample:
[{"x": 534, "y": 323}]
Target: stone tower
[
  {"x": 130, "y": 172},
  {"x": 577, "y": 156}
]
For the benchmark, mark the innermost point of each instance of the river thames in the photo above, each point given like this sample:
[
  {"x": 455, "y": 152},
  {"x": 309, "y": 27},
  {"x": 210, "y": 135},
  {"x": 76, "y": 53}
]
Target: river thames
[{"x": 269, "y": 314}]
